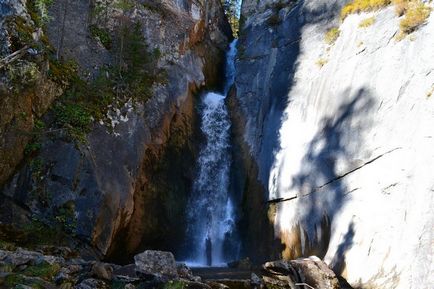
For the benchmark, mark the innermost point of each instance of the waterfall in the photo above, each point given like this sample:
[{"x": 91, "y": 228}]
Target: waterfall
[{"x": 211, "y": 217}]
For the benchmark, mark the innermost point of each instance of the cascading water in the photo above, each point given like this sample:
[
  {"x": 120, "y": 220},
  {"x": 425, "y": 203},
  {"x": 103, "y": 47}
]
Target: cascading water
[{"x": 211, "y": 214}]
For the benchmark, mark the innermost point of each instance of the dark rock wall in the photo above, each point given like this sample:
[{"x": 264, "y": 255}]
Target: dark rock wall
[
  {"x": 124, "y": 188},
  {"x": 268, "y": 49}
]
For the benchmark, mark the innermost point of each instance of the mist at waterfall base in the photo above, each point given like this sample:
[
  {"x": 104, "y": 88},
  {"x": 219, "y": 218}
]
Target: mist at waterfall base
[{"x": 211, "y": 233}]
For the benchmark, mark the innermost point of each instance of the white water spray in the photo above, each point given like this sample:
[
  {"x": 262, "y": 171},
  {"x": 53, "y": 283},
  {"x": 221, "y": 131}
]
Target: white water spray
[{"x": 211, "y": 213}]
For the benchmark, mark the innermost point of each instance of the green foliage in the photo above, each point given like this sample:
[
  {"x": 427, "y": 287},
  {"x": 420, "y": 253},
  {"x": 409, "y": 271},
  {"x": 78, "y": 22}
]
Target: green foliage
[
  {"x": 332, "y": 35},
  {"x": 39, "y": 233},
  {"x": 99, "y": 9},
  {"x": 74, "y": 118},
  {"x": 4, "y": 245},
  {"x": 415, "y": 15},
  {"x": 37, "y": 164},
  {"x": 22, "y": 74},
  {"x": 32, "y": 147},
  {"x": 21, "y": 32},
  {"x": 232, "y": 10},
  {"x": 72, "y": 114},
  {"x": 102, "y": 34},
  {"x": 136, "y": 73},
  {"x": 37, "y": 169},
  {"x": 367, "y": 22},
  {"x": 357, "y": 6},
  {"x": 63, "y": 72},
  {"x": 175, "y": 285},
  {"x": 65, "y": 218},
  {"x": 156, "y": 7},
  {"x": 117, "y": 284},
  {"x": 87, "y": 101},
  {"x": 43, "y": 270},
  {"x": 124, "y": 5},
  {"x": 13, "y": 279},
  {"x": 38, "y": 10}
]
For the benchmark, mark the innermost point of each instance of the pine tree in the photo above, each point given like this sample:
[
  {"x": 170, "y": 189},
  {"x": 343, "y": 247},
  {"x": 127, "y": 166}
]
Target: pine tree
[{"x": 232, "y": 9}]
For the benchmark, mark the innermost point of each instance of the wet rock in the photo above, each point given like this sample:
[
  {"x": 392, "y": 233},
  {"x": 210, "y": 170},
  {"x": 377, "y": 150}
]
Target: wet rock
[
  {"x": 255, "y": 281},
  {"x": 92, "y": 284},
  {"x": 19, "y": 257},
  {"x": 156, "y": 264},
  {"x": 50, "y": 260},
  {"x": 77, "y": 262},
  {"x": 126, "y": 273},
  {"x": 62, "y": 251},
  {"x": 21, "y": 286},
  {"x": 185, "y": 272},
  {"x": 72, "y": 269},
  {"x": 216, "y": 285},
  {"x": 312, "y": 271},
  {"x": 61, "y": 277}
]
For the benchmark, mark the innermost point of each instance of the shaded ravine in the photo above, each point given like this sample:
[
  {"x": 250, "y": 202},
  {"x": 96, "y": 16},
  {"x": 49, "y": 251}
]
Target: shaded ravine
[{"x": 211, "y": 218}]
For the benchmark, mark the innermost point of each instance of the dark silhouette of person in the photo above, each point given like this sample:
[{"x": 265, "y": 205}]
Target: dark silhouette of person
[{"x": 208, "y": 251}]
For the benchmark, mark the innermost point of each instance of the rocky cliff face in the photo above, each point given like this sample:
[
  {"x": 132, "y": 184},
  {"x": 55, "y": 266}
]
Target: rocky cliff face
[
  {"x": 123, "y": 178},
  {"x": 339, "y": 136}
]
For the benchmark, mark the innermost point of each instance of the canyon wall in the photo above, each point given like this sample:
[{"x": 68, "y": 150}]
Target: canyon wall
[
  {"x": 339, "y": 137},
  {"x": 123, "y": 180}
]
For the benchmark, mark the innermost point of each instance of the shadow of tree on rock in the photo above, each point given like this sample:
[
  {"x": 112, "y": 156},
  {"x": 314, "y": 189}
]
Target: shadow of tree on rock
[{"x": 320, "y": 186}]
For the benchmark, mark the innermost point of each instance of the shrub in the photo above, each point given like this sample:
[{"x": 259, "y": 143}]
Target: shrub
[
  {"x": 43, "y": 270},
  {"x": 357, "y": 6},
  {"x": 62, "y": 72},
  {"x": 430, "y": 92},
  {"x": 321, "y": 62},
  {"x": 32, "y": 147},
  {"x": 38, "y": 10},
  {"x": 331, "y": 35},
  {"x": 367, "y": 22},
  {"x": 102, "y": 34},
  {"x": 400, "y": 6},
  {"x": 74, "y": 118},
  {"x": 415, "y": 15}
]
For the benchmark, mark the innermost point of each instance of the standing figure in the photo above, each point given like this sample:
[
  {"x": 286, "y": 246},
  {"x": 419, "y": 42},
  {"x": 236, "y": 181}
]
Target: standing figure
[{"x": 208, "y": 251}]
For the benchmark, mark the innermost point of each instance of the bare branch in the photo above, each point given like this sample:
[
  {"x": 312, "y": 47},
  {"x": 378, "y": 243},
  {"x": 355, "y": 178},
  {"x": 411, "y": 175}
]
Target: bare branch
[
  {"x": 14, "y": 56},
  {"x": 304, "y": 284}
]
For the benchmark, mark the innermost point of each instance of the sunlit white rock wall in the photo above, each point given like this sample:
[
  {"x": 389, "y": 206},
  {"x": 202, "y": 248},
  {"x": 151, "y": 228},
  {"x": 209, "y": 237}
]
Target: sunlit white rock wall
[{"x": 357, "y": 145}]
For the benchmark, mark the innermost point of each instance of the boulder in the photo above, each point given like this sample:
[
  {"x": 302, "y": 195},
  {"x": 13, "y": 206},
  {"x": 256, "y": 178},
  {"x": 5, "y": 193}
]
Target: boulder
[
  {"x": 216, "y": 285},
  {"x": 102, "y": 271},
  {"x": 159, "y": 264},
  {"x": 126, "y": 273},
  {"x": 255, "y": 281},
  {"x": 92, "y": 284},
  {"x": 311, "y": 272},
  {"x": 185, "y": 272},
  {"x": 19, "y": 257}
]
